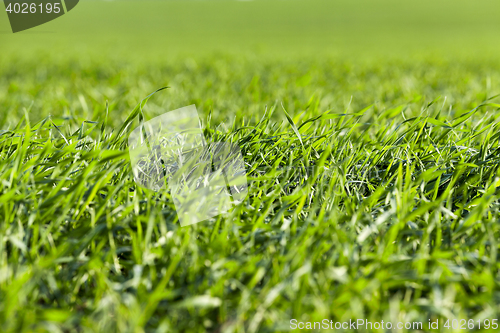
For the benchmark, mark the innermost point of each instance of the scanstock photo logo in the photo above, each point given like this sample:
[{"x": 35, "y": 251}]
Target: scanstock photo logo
[
  {"x": 205, "y": 179},
  {"x": 26, "y": 14}
]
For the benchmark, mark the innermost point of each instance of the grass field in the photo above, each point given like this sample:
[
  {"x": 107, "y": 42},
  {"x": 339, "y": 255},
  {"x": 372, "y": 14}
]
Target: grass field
[{"x": 370, "y": 131}]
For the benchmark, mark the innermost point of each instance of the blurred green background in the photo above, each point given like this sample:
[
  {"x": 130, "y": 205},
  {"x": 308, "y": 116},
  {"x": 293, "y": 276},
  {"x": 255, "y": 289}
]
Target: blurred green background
[
  {"x": 359, "y": 28},
  {"x": 237, "y": 57}
]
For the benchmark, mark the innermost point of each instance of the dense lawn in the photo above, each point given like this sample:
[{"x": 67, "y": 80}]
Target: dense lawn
[
  {"x": 371, "y": 142},
  {"x": 382, "y": 210}
]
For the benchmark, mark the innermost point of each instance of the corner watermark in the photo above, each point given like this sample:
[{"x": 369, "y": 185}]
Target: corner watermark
[
  {"x": 27, "y": 14},
  {"x": 365, "y": 325}
]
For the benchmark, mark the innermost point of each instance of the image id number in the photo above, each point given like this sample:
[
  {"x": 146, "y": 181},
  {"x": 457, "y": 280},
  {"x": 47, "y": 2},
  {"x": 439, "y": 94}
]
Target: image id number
[{"x": 26, "y": 8}]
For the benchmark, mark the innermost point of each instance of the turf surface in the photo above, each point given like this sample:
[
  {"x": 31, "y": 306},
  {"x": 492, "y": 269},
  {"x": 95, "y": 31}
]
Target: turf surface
[{"x": 373, "y": 179}]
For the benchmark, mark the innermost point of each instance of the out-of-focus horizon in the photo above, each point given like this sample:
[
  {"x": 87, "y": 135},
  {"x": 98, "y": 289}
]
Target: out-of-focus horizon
[{"x": 359, "y": 29}]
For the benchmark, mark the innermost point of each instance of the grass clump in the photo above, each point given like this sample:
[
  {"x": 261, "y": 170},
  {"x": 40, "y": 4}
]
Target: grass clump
[{"x": 384, "y": 207}]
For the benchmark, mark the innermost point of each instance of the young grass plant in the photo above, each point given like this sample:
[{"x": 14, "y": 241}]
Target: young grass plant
[{"x": 349, "y": 215}]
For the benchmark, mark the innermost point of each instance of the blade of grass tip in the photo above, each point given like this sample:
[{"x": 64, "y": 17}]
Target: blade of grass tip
[
  {"x": 39, "y": 126},
  {"x": 294, "y": 127},
  {"x": 57, "y": 129},
  {"x": 322, "y": 116},
  {"x": 492, "y": 97},
  {"x": 27, "y": 111},
  {"x": 209, "y": 118},
  {"x": 341, "y": 120},
  {"x": 103, "y": 125},
  {"x": 249, "y": 136},
  {"x": 27, "y": 118},
  {"x": 135, "y": 112},
  {"x": 80, "y": 132},
  {"x": 464, "y": 117}
]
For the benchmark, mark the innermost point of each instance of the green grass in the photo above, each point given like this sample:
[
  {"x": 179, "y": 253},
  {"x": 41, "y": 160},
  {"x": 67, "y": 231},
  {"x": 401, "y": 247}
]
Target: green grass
[{"x": 377, "y": 198}]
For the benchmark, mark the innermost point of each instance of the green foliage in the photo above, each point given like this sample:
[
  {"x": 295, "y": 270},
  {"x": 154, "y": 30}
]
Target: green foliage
[
  {"x": 363, "y": 212},
  {"x": 373, "y": 172}
]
